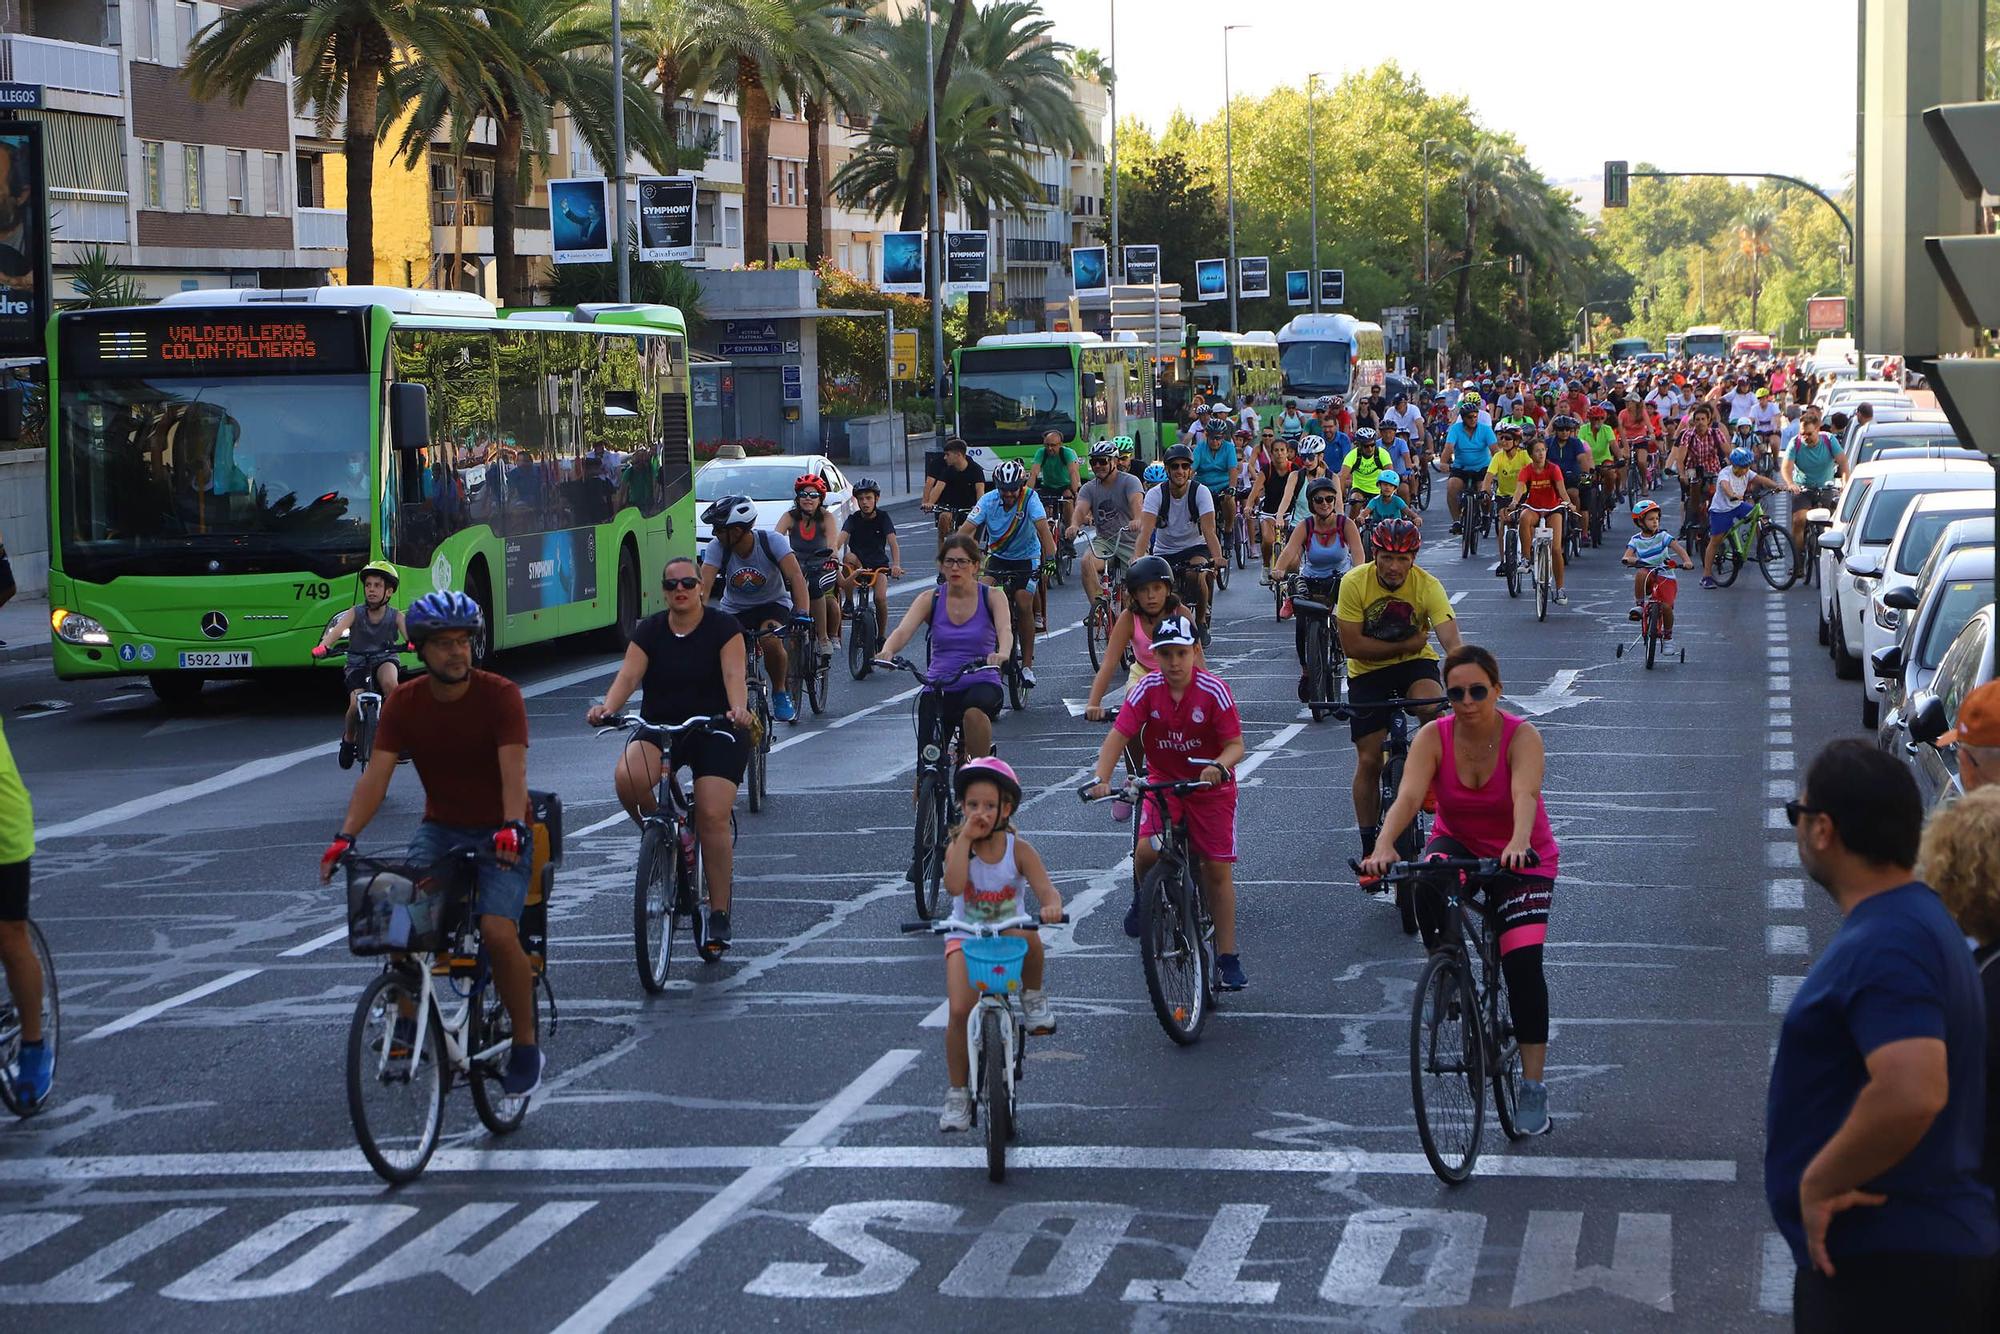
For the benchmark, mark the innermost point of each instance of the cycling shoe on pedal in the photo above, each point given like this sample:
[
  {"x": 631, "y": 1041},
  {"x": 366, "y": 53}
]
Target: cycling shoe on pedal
[
  {"x": 34, "y": 1071},
  {"x": 1035, "y": 1013},
  {"x": 1132, "y": 918},
  {"x": 957, "y": 1113},
  {"x": 1229, "y": 974},
  {"x": 1531, "y": 1116},
  {"x": 783, "y": 709},
  {"x": 716, "y": 938},
  {"x": 524, "y": 1071},
  {"x": 346, "y": 753}
]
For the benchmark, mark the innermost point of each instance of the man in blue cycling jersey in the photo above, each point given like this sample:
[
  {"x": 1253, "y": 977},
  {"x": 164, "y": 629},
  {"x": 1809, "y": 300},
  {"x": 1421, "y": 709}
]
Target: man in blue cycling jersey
[
  {"x": 1812, "y": 467},
  {"x": 1468, "y": 449},
  {"x": 1217, "y": 461},
  {"x": 1010, "y": 523}
]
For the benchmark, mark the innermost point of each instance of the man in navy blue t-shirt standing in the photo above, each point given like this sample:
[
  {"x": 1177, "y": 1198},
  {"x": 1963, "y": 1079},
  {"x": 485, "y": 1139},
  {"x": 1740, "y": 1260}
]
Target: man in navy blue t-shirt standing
[{"x": 1875, "y": 1120}]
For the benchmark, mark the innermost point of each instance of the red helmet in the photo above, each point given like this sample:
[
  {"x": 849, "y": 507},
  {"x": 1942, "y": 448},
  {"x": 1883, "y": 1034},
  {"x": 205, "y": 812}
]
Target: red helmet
[
  {"x": 1398, "y": 535},
  {"x": 809, "y": 482}
]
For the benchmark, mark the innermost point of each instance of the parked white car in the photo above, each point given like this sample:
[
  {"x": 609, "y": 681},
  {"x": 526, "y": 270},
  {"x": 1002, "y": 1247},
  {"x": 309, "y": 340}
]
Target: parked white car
[
  {"x": 1917, "y": 535},
  {"x": 768, "y": 479},
  {"x": 1844, "y": 397},
  {"x": 1851, "y": 550}
]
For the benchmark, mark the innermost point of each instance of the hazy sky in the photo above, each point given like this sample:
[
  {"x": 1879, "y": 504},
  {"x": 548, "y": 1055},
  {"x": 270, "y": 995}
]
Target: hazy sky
[{"x": 1699, "y": 85}]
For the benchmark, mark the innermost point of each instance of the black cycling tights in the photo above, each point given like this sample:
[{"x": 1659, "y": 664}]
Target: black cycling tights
[{"x": 1522, "y": 910}]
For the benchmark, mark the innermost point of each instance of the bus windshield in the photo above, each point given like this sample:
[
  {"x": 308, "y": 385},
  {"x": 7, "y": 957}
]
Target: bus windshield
[
  {"x": 1316, "y": 367},
  {"x": 1011, "y": 395},
  {"x": 213, "y": 475},
  {"x": 1704, "y": 345}
]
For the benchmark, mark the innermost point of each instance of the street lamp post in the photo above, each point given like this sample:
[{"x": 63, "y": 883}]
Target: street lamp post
[
  {"x": 1229, "y": 171},
  {"x": 1117, "y": 255},
  {"x": 618, "y": 152},
  {"x": 935, "y": 238},
  {"x": 1312, "y": 171}
]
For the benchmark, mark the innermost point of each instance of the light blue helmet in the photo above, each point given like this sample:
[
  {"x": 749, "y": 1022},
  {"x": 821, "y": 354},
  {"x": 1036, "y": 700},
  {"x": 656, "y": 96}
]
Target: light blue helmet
[
  {"x": 1740, "y": 458},
  {"x": 1155, "y": 473}
]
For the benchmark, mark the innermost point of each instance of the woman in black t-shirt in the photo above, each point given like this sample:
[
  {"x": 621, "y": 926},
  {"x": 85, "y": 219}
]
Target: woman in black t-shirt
[{"x": 690, "y": 661}]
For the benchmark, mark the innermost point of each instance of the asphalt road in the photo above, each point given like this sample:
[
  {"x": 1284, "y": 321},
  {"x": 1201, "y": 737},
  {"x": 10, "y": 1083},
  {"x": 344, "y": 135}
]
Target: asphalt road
[{"x": 759, "y": 1147}]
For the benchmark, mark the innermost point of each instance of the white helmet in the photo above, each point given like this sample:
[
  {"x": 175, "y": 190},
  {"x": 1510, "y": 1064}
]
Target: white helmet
[
  {"x": 1312, "y": 445},
  {"x": 729, "y": 511},
  {"x": 1010, "y": 475}
]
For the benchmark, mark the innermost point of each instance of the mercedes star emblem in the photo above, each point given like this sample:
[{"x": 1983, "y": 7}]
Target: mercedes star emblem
[{"x": 214, "y": 624}]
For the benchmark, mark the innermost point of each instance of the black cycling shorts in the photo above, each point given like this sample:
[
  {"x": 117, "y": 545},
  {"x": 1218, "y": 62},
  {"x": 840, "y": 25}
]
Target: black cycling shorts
[
  {"x": 1469, "y": 477},
  {"x": 753, "y": 619},
  {"x": 14, "y": 891},
  {"x": 711, "y": 754},
  {"x": 1388, "y": 682},
  {"x": 359, "y": 674},
  {"x": 1012, "y": 575},
  {"x": 1178, "y": 560},
  {"x": 946, "y": 709}
]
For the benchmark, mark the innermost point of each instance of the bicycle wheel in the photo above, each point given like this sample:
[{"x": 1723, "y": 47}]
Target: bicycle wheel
[
  {"x": 995, "y": 1113},
  {"x": 1424, "y": 488},
  {"x": 1097, "y": 633},
  {"x": 1728, "y": 561},
  {"x": 1317, "y": 675},
  {"x": 1652, "y": 633},
  {"x": 1173, "y": 951},
  {"x": 1510, "y": 553},
  {"x": 930, "y": 845},
  {"x": 1447, "y": 1067},
  {"x": 1469, "y": 541},
  {"x": 1776, "y": 558},
  {"x": 395, "y": 1095},
  {"x": 1017, "y": 688},
  {"x": 861, "y": 640},
  {"x": 364, "y": 732},
  {"x": 10, "y": 1028},
  {"x": 1222, "y": 572},
  {"x": 489, "y": 1038},
  {"x": 653, "y": 893},
  {"x": 1503, "y": 1055},
  {"x": 1544, "y": 577}
]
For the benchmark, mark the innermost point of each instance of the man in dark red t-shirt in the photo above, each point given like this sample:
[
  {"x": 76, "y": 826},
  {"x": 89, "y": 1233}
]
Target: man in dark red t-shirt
[{"x": 467, "y": 733}]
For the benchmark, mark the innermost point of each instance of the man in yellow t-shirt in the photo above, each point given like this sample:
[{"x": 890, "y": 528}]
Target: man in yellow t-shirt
[
  {"x": 1387, "y": 613},
  {"x": 35, "y": 1064}
]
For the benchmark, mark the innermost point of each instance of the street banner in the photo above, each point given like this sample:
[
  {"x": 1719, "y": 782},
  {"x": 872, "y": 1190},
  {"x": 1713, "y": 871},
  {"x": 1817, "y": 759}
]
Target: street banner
[
  {"x": 1211, "y": 280},
  {"x": 666, "y": 218},
  {"x": 1089, "y": 269},
  {"x": 24, "y": 240},
  {"x": 579, "y": 220},
  {"x": 1142, "y": 264},
  {"x": 903, "y": 263},
  {"x": 966, "y": 263},
  {"x": 1826, "y": 314},
  {"x": 1298, "y": 287},
  {"x": 1333, "y": 287},
  {"x": 1253, "y": 276}
]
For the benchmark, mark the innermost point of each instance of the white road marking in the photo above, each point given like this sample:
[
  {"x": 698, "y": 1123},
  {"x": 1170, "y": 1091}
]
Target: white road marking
[
  {"x": 1787, "y": 895},
  {"x": 675, "y": 1248},
  {"x": 1785, "y": 939},
  {"x": 1459, "y": 597},
  {"x": 1265, "y": 749},
  {"x": 1641, "y": 1268},
  {"x": 317, "y": 942},
  {"x": 871, "y": 1158},
  {"x": 258, "y": 770},
  {"x": 937, "y": 1018},
  {"x": 1783, "y": 988},
  {"x": 157, "y": 1008},
  {"x": 1774, "y": 1282},
  {"x": 619, "y": 817},
  {"x": 1212, "y": 1272}
]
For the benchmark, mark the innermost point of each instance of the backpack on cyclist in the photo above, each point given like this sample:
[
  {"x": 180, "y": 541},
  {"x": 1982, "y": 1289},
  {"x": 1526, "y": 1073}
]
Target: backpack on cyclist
[
  {"x": 1167, "y": 501},
  {"x": 763, "y": 544}
]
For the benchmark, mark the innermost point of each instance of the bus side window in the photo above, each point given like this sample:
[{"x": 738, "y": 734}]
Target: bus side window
[
  {"x": 675, "y": 437},
  {"x": 518, "y": 375}
]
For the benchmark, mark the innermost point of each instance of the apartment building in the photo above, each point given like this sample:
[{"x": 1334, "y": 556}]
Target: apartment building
[
  {"x": 710, "y": 124},
  {"x": 1088, "y": 182},
  {"x": 183, "y": 194}
]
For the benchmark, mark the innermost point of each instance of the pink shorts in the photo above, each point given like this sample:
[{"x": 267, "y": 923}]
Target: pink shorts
[{"x": 1211, "y": 818}]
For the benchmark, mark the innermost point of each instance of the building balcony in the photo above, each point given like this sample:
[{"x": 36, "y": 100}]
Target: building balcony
[
  {"x": 322, "y": 229},
  {"x": 87, "y": 218},
  {"x": 1033, "y": 252},
  {"x": 76, "y": 77}
]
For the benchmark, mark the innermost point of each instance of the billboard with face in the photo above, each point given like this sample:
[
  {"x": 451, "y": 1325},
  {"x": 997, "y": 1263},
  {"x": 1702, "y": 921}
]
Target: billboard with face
[{"x": 24, "y": 241}]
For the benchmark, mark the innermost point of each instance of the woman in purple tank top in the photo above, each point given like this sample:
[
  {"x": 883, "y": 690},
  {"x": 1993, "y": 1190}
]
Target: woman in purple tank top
[
  {"x": 1485, "y": 768},
  {"x": 968, "y": 623}
]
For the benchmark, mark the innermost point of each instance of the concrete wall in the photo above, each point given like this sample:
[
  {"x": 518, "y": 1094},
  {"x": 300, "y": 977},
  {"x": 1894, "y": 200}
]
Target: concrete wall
[
  {"x": 755, "y": 294},
  {"x": 24, "y": 516}
]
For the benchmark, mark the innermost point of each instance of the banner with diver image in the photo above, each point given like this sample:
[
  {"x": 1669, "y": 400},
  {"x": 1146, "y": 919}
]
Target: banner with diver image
[{"x": 579, "y": 221}]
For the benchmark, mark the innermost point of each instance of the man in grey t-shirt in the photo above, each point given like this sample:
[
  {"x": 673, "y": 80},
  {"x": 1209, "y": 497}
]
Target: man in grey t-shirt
[
  {"x": 1111, "y": 499},
  {"x": 1177, "y": 521},
  {"x": 761, "y": 585}
]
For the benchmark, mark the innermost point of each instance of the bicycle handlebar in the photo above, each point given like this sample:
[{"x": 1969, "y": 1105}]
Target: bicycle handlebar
[
  {"x": 1136, "y": 787},
  {"x": 1018, "y": 922},
  {"x": 902, "y": 664},
  {"x": 1478, "y": 867},
  {"x": 632, "y": 722},
  {"x": 1345, "y": 712}
]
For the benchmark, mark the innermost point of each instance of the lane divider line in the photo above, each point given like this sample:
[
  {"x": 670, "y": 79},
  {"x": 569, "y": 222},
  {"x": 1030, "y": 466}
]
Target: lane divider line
[{"x": 157, "y": 1008}]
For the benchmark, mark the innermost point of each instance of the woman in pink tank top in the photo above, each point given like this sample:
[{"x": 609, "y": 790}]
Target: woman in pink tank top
[{"x": 1486, "y": 768}]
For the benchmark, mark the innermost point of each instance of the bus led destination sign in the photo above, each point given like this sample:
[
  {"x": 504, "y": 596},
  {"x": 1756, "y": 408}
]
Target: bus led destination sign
[{"x": 179, "y": 343}]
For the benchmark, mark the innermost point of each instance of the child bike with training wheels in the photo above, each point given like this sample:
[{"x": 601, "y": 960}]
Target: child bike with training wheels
[
  {"x": 986, "y": 868},
  {"x": 375, "y": 637},
  {"x": 1655, "y": 554}
]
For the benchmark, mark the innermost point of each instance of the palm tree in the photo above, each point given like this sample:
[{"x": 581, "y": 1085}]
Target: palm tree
[
  {"x": 680, "y": 47},
  {"x": 344, "y": 51},
  {"x": 1757, "y": 238},
  {"x": 1493, "y": 181},
  {"x": 1088, "y": 63},
  {"x": 827, "y": 68},
  {"x": 916, "y": 205},
  {"x": 555, "y": 54}
]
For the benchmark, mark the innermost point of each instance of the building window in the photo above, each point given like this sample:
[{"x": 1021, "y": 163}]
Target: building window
[
  {"x": 792, "y": 183},
  {"x": 777, "y": 183},
  {"x": 274, "y": 175},
  {"x": 152, "y": 156},
  {"x": 443, "y": 181},
  {"x": 841, "y": 253},
  {"x": 308, "y": 180},
  {"x": 478, "y": 183},
  {"x": 238, "y": 173},
  {"x": 732, "y": 228},
  {"x": 148, "y": 26},
  {"x": 185, "y": 25},
  {"x": 726, "y": 148},
  {"x": 191, "y": 177}
]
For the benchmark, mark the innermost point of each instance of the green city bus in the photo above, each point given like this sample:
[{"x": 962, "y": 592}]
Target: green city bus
[
  {"x": 1009, "y": 389},
  {"x": 222, "y": 465}
]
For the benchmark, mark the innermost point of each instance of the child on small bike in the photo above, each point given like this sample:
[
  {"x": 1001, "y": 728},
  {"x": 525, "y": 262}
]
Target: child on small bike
[
  {"x": 985, "y": 868},
  {"x": 375, "y": 636},
  {"x": 1649, "y": 550},
  {"x": 1387, "y": 502}
]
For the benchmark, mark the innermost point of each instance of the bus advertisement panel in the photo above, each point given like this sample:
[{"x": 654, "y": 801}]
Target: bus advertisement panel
[{"x": 220, "y": 469}]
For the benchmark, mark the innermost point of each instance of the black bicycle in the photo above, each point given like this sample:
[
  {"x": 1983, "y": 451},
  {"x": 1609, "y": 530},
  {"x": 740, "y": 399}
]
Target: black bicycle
[
  {"x": 1396, "y": 754},
  {"x": 864, "y": 628},
  {"x": 1326, "y": 664},
  {"x": 756, "y": 777},
  {"x": 1475, "y": 520},
  {"x": 938, "y": 758},
  {"x": 1461, "y": 1029},
  {"x": 367, "y": 703},
  {"x": 670, "y": 891},
  {"x": 1177, "y": 931},
  {"x": 10, "y": 1029}
]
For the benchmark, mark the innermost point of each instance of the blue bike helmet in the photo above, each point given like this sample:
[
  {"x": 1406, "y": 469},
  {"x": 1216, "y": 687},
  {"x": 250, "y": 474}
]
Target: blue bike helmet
[
  {"x": 434, "y": 612},
  {"x": 1740, "y": 458},
  {"x": 1155, "y": 473}
]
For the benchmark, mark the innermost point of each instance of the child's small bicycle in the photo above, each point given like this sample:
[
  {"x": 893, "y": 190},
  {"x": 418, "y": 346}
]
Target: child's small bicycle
[
  {"x": 996, "y": 1038},
  {"x": 1652, "y": 620}
]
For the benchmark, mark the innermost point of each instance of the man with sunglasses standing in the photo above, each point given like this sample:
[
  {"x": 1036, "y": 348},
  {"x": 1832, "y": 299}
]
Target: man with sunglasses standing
[
  {"x": 1177, "y": 522},
  {"x": 1875, "y": 1119}
]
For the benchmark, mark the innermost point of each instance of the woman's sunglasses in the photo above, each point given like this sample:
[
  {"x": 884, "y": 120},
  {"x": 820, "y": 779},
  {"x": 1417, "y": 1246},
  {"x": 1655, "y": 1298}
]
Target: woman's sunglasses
[
  {"x": 686, "y": 583},
  {"x": 1458, "y": 694}
]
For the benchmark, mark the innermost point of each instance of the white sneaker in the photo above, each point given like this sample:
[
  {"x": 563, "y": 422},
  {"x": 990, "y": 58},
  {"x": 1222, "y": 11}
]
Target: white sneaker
[
  {"x": 1027, "y": 676},
  {"x": 957, "y": 1113},
  {"x": 1562, "y": 598},
  {"x": 826, "y": 648},
  {"x": 1035, "y": 1012}
]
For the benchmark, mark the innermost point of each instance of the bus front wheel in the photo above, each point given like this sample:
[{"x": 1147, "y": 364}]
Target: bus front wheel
[
  {"x": 480, "y": 590},
  {"x": 176, "y": 690},
  {"x": 626, "y": 612}
]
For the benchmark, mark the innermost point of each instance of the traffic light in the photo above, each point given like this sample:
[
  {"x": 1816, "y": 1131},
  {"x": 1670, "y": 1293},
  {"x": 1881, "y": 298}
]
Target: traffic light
[
  {"x": 1616, "y": 185},
  {"x": 1517, "y": 265},
  {"x": 1190, "y": 339},
  {"x": 1968, "y": 388}
]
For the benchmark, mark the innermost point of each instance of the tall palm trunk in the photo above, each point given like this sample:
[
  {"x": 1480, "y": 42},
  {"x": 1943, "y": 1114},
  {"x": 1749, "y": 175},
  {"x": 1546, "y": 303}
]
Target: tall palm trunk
[
  {"x": 1756, "y": 286},
  {"x": 669, "y": 75},
  {"x": 756, "y": 108},
  {"x": 507, "y": 138},
  {"x": 815, "y": 182},
  {"x": 1463, "y": 305},
  {"x": 917, "y": 203},
  {"x": 980, "y": 215},
  {"x": 364, "y": 89}
]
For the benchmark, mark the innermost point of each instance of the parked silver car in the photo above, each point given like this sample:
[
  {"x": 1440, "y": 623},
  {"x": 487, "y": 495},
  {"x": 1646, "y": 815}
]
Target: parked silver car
[
  {"x": 1954, "y": 586},
  {"x": 1967, "y": 665}
]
